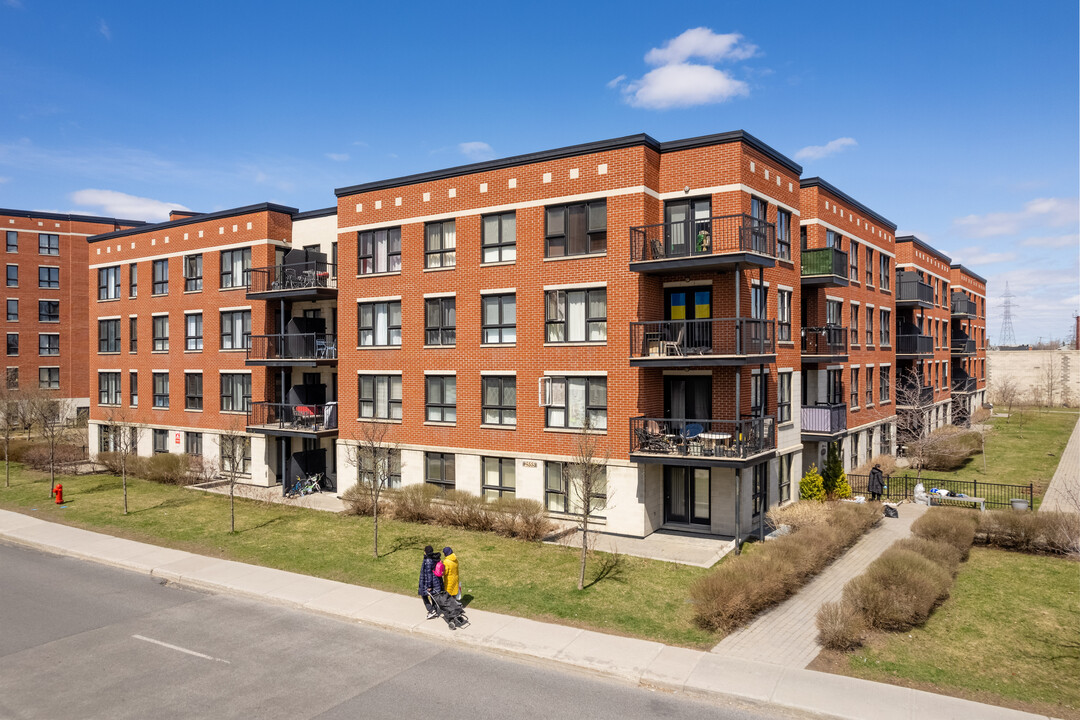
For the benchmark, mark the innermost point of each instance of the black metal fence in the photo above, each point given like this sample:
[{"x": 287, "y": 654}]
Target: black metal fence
[
  {"x": 902, "y": 487},
  {"x": 705, "y": 236},
  {"x": 708, "y": 336}
]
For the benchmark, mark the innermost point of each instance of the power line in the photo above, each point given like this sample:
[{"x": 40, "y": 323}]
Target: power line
[{"x": 1007, "y": 336}]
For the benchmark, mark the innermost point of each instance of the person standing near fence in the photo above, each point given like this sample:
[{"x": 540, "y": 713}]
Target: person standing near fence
[{"x": 876, "y": 485}]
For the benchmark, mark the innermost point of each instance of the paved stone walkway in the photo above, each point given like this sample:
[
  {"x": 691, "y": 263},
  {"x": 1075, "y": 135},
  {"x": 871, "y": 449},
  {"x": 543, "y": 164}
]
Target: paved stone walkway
[
  {"x": 1064, "y": 491},
  {"x": 787, "y": 634}
]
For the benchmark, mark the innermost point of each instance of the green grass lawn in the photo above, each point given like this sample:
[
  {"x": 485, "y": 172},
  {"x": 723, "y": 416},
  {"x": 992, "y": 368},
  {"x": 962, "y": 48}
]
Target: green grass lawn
[
  {"x": 1009, "y": 634},
  {"x": 640, "y": 598}
]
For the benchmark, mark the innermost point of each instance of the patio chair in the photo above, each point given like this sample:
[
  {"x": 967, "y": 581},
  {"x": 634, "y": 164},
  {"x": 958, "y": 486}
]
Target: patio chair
[
  {"x": 656, "y": 250},
  {"x": 677, "y": 344},
  {"x": 304, "y": 417}
]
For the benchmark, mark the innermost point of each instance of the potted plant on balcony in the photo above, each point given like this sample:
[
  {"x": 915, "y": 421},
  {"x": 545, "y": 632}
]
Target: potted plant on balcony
[{"x": 702, "y": 244}]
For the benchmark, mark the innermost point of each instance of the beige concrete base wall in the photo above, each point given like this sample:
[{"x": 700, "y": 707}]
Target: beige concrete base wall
[{"x": 1027, "y": 368}]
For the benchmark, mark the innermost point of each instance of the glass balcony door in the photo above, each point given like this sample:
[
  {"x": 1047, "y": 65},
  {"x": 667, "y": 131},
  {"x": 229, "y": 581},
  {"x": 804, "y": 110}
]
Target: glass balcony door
[
  {"x": 681, "y": 235},
  {"x": 694, "y": 303}
]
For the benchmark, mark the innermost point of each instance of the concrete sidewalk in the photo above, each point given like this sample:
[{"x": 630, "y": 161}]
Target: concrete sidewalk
[
  {"x": 637, "y": 661},
  {"x": 1064, "y": 492}
]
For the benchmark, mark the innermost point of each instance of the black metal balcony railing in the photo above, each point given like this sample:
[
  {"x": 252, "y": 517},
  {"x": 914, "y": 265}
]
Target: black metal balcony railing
[
  {"x": 721, "y": 439},
  {"x": 913, "y": 290},
  {"x": 293, "y": 346},
  {"x": 824, "y": 419},
  {"x": 963, "y": 346},
  {"x": 961, "y": 304},
  {"x": 710, "y": 336},
  {"x": 304, "y": 417},
  {"x": 914, "y": 395},
  {"x": 914, "y": 344},
  {"x": 297, "y": 276},
  {"x": 695, "y": 238},
  {"x": 830, "y": 340},
  {"x": 963, "y": 384},
  {"x": 825, "y": 261}
]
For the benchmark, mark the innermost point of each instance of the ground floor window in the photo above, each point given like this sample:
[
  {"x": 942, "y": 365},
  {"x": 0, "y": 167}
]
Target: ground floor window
[
  {"x": 235, "y": 455},
  {"x": 760, "y": 488},
  {"x": 562, "y": 491},
  {"x": 193, "y": 443},
  {"x": 389, "y": 464},
  {"x": 107, "y": 439},
  {"x": 161, "y": 441},
  {"x": 439, "y": 469},
  {"x": 886, "y": 440},
  {"x": 499, "y": 478},
  {"x": 785, "y": 478}
]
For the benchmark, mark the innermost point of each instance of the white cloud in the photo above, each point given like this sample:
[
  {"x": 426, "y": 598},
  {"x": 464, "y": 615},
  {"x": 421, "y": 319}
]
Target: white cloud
[
  {"x": 616, "y": 81},
  {"x": 103, "y": 28},
  {"x": 338, "y": 157},
  {"x": 476, "y": 150},
  {"x": 975, "y": 255},
  {"x": 817, "y": 152},
  {"x": 1058, "y": 241},
  {"x": 703, "y": 43},
  {"x": 683, "y": 85},
  {"x": 360, "y": 143},
  {"x": 13, "y": 3},
  {"x": 120, "y": 204},
  {"x": 1041, "y": 212}
]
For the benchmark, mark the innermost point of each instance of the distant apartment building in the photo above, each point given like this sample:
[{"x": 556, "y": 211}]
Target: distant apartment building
[{"x": 967, "y": 342}]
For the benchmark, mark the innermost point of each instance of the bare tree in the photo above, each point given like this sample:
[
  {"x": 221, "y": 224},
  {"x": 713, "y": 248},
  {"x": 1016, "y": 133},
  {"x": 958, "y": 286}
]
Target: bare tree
[
  {"x": 980, "y": 423},
  {"x": 9, "y": 421},
  {"x": 912, "y": 419},
  {"x": 375, "y": 460},
  {"x": 233, "y": 448},
  {"x": 1024, "y": 404},
  {"x": 125, "y": 441},
  {"x": 1006, "y": 392},
  {"x": 1049, "y": 378},
  {"x": 585, "y": 479},
  {"x": 54, "y": 431}
]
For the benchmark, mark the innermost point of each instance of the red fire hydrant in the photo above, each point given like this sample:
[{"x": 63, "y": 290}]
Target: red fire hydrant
[{"x": 58, "y": 491}]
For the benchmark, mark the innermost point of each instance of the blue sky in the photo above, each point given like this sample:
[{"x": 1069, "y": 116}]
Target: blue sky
[{"x": 958, "y": 121}]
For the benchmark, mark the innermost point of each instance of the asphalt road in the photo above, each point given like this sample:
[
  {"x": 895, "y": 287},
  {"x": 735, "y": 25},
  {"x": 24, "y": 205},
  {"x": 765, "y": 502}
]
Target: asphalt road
[{"x": 80, "y": 640}]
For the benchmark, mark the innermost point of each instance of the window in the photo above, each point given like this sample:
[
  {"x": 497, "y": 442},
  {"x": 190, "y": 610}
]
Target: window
[
  {"x": 441, "y": 398},
  {"x": 783, "y": 315},
  {"x": 499, "y": 238},
  {"x": 13, "y": 343},
  {"x": 48, "y": 344},
  {"x": 192, "y": 273},
  {"x": 440, "y": 321},
  {"x": 12, "y": 241},
  {"x": 108, "y": 388},
  {"x": 193, "y": 337},
  {"x": 854, "y": 449},
  {"x": 133, "y": 334},
  {"x": 853, "y": 260},
  {"x": 161, "y": 277},
  {"x": 389, "y": 467},
  {"x": 108, "y": 280},
  {"x": 834, "y": 239},
  {"x": 578, "y": 229},
  {"x": 499, "y": 321},
  {"x": 833, "y": 311},
  {"x": 854, "y": 387},
  {"x": 378, "y": 251},
  {"x": 109, "y": 336},
  {"x": 886, "y": 440},
  {"x": 193, "y": 391},
  {"x": 855, "y": 324},
  {"x": 498, "y": 400},
  {"x": 784, "y": 473},
  {"x": 13, "y": 378},
  {"x": 883, "y": 272},
  {"x": 133, "y": 390},
  {"x": 193, "y": 443},
  {"x": 869, "y": 386},
  {"x": 13, "y": 276},
  {"x": 236, "y": 451},
  {"x": 48, "y": 244},
  {"x": 572, "y": 400},
  {"x": 869, "y": 326},
  {"x": 49, "y": 378},
  {"x": 783, "y": 398},
  {"x": 380, "y": 397},
  {"x": 760, "y": 489},
  {"x": 758, "y": 394},
  {"x": 161, "y": 390},
  {"x": 783, "y": 234},
  {"x": 48, "y": 311},
  {"x": 499, "y": 478},
  {"x": 133, "y": 280},
  {"x": 48, "y": 277},
  {"x": 869, "y": 266},
  {"x": 557, "y": 495},
  {"x": 235, "y": 392},
  {"x": 380, "y": 323},
  {"x": 886, "y": 324},
  {"x": 235, "y": 329},
  {"x": 161, "y": 441},
  {"x": 333, "y": 260},
  {"x": 576, "y": 315},
  {"x": 161, "y": 333},
  {"x": 13, "y": 310},
  {"x": 440, "y": 244},
  {"x": 235, "y": 268}
]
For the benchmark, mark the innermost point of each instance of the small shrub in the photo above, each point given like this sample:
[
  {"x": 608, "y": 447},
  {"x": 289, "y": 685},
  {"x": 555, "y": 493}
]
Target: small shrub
[
  {"x": 840, "y": 626},
  {"x": 168, "y": 468},
  {"x": 111, "y": 461},
  {"x": 357, "y": 500},
  {"x": 1054, "y": 533},
  {"x": 842, "y": 489},
  {"x": 519, "y": 518},
  {"x": 463, "y": 509},
  {"x": 950, "y": 447},
  {"x": 898, "y": 590},
  {"x": 38, "y": 456},
  {"x": 812, "y": 487},
  {"x": 414, "y": 503},
  {"x": 953, "y": 526},
  {"x": 941, "y": 553},
  {"x": 798, "y": 515},
  {"x": 533, "y": 523},
  {"x": 17, "y": 449}
]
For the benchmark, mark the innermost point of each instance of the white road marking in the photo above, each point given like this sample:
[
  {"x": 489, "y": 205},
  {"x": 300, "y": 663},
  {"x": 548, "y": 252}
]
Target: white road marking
[{"x": 180, "y": 649}]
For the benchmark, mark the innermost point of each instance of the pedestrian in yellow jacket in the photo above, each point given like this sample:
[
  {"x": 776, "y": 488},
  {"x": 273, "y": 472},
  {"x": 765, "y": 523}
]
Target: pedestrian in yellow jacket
[{"x": 452, "y": 579}]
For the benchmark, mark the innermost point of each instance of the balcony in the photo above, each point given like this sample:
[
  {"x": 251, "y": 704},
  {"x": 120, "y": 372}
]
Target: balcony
[
  {"x": 963, "y": 384},
  {"x": 962, "y": 306},
  {"x": 702, "y": 443},
  {"x": 293, "y": 350},
  {"x": 309, "y": 280},
  {"x": 913, "y": 292},
  {"x": 823, "y": 267},
  {"x": 963, "y": 345},
  {"x": 914, "y": 345},
  {"x": 712, "y": 341},
  {"x": 825, "y": 344},
  {"x": 717, "y": 243},
  {"x": 310, "y": 420},
  {"x": 914, "y": 396},
  {"x": 824, "y": 421}
]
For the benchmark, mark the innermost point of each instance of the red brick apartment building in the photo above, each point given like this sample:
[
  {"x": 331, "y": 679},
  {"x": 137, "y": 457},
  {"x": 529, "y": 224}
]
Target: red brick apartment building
[
  {"x": 848, "y": 311},
  {"x": 923, "y": 345},
  {"x": 45, "y": 325},
  {"x": 967, "y": 342}
]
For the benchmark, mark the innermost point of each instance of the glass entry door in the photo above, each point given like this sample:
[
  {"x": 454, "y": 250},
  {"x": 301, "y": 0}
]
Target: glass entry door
[
  {"x": 686, "y": 495},
  {"x": 692, "y": 303}
]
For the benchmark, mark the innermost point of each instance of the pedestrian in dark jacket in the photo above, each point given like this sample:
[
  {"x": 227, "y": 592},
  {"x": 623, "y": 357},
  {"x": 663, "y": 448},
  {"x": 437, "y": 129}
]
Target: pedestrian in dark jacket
[
  {"x": 876, "y": 485},
  {"x": 428, "y": 581}
]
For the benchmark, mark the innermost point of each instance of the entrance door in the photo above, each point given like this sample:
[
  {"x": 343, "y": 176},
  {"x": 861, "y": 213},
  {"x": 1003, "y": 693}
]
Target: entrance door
[
  {"x": 686, "y": 495},
  {"x": 692, "y": 303},
  {"x": 687, "y": 227}
]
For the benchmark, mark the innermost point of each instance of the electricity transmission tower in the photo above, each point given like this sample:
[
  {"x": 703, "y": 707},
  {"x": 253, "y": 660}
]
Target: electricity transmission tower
[{"x": 1007, "y": 336}]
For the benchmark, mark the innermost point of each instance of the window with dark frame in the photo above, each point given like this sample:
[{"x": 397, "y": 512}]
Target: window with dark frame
[
  {"x": 49, "y": 378},
  {"x": 48, "y": 244},
  {"x": 380, "y": 397},
  {"x": 440, "y": 244},
  {"x": 783, "y": 315},
  {"x": 48, "y": 277},
  {"x": 235, "y": 268},
  {"x": 440, "y": 321},
  {"x": 854, "y": 387},
  {"x": 161, "y": 333},
  {"x": 853, "y": 261},
  {"x": 760, "y": 489},
  {"x": 783, "y": 398},
  {"x": 498, "y": 400},
  {"x": 389, "y": 462},
  {"x": 49, "y": 311},
  {"x": 783, "y": 234},
  {"x": 133, "y": 389},
  {"x": 12, "y": 344},
  {"x": 12, "y": 241},
  {"x": 161, "y": 390},
  {"x": 108, "y": 388},
  {"x": 498, "y": 319},
  {"x": 576, "y": 229},
  {"x": 109, "y": 336},
  {"x": 13, "y": 310},
  {"x": 883, "y": 273},
  {"x": 161, "y": 277},
  {"x": 13, "y": 378},
  {"x": 441, "y": 398},
  {"x": 243, "y": 454},
  {"x": 193, "y": 443},
  {"x": 161, "y": 441},
  {"x": 439, "y": 470},
  {"x": 378, "y": 251},
  {"x": 869, "y": 266},
  {"x": 379, "y": 323},
  {"x": 759, "y": 397},
  {"x": 834, "y": 239},
  {"x": 500, "y": 478},
  {"x": 499, "y": 241},
  {"x": 133, "y": 280},
  {"x": 885, "y": 325},
  {"x": 13, "y": 276},
  {"x": 834, "y": 387},
  {"x": 133, "y": 334},
  {"x": 869, "y": 326},
  {"x": 869, "y": 386},
  {"x": 784, "y": 473},
  {"x": 48, "y": 344},
  {"x": 109, "y": 283},
  {"x": 557, "y": 490},
  {"x": 575, "y": 315},
  {"x": 193, "y": 273},
  {"x": 572, "y": 400},
  {"x": 193, "y": 331},
  {"x": 235, "y": 392},
  {"x": 235, "y": 329}
]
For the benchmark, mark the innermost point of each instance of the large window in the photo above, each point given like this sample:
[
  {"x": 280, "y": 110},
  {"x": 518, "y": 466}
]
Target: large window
[
  {"x": 784, "y": 471},
  {"x": 854, "y": 387},
  {"x": 783, "y": 315},
  {"x": 758, "y": 396},
  {"x": 13, "y": 310},
  {"x": 783, "y": 234},
  {"x": 133, "y": 390},
  {"x": 133, "y": 280},
  {"x": 235, "y": 268},
  {"x": 48, "y": 344},
  {"x": 576, "y": 315},
  {"x": 883, "y": 384},
  {"x": 193, "y": 331},
  {"x": 441, "y": 403},
  {"x": 380, "y": 323},
  {"x": 235, "y": 455},
  {"x": 853, "y": 261},
  {"x": 783, "y": 398},
  {"x": 578, "y": 229},
  {"x": 439, "y": 469},
  {"x": 378, "y": 251},
  {"x": 192, "y": 273},
  {"x": 193, "y": 443},
  {"x": 161, "y": 390},
  {"x": 869, "y": 386},
  {"x": 161, "y": 333},
  {"x": 235, "y": 329},
  {"x": 572, "y": 400},
  {"x": 12, "y": 241},
  {"x": 380, "y": 397},
  {"x": 13, "y": 344},
  {"x": 561, "y": 497},
  {"x": 48, "y": 244},
  {"x": 886, "y": 324},
  {"x": 109, "y": 336},
  {"x": 48, "y": 277},
  {"x": 49, "y": 378},
  {"x": 13, "y": 378},
  {"x": 49, "y": 311},
  {"x": 13, "y": 276},
  {"x": 499, "y": 320},
  {"x": 440, "y": 244},
  {"x": 133, "y": 334},
  {"x": 161, "y": 277},
  {"x": 108, "y": 283},
  {"x": 883, "y": 273},
  {"x": 161, "y": 441},
  {"x": 834, "y": 239},
  {"x": 869, "y": 266},
  {"x": 389, "y": 464},
  {"x": 499, "y": 478},
  {"x": 869, "y": 326},
  {"x": 108, "y": 388},
  {"x": 193, "y": 391},
  {"x": 235, "y": 392},
  {"x": 499, "y": 238},
  {"x": 499, "y": 400},
  {"x": 440, "y": 321}
]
